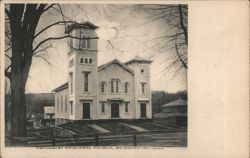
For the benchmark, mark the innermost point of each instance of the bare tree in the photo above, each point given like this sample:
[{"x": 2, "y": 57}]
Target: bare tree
[
  {"x": 23, "y": 41},
  {"x": 176, "y": 38}
]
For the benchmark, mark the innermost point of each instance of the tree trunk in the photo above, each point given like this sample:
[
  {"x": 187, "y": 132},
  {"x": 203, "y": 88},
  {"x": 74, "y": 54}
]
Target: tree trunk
[
  {"x": 17, "y": 83},
  {"x": 18, "y": 109}
]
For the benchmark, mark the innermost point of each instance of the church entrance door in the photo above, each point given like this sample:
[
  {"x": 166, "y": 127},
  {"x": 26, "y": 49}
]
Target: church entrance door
[{"x": 115, "y": 110}]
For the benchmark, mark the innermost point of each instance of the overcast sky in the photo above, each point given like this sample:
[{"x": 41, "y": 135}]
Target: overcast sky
[{"x": 128, "y": 29}]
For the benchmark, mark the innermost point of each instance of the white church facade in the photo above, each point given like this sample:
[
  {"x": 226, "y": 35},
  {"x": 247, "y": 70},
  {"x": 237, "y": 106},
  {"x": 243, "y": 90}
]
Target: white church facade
[{"x": 114, "y": 90}]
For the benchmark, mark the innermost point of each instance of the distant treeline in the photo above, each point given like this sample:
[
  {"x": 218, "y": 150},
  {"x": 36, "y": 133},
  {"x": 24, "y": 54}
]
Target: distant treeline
[{"x": 160, "y": 97}]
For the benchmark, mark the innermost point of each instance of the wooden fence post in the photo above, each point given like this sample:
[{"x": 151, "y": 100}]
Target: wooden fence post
[
  {"x": 135, "y": 141},
  {"x": 97, "y": 139}
]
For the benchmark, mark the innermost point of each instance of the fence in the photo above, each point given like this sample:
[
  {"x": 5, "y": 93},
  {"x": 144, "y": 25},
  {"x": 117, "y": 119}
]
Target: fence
[{"x": 151, "y": 138}]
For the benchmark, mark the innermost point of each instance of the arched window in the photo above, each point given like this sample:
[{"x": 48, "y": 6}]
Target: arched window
[
  {"x": 112, "y": 85},
  {"x": 115, "y": 85},
  {"x": 81, "y": 60},
  {"x": 126, "y": 87},
  {"x": 86, "y": 60}
]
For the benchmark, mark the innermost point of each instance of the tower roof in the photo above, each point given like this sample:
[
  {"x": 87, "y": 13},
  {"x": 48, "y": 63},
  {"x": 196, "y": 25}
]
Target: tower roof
[
  {"x": 85, "y": 24},
  {"x": 138, "y": 59}
]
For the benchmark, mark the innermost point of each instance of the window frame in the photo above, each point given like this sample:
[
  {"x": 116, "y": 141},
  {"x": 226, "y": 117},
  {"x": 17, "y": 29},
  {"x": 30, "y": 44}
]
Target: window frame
[
  {"x": 143, "y": 87},
  {"x": 126, "y": 87},
  {"x": 126, "y": 107},
  {"x": 86, "y": 81},
  {"x": 112, "y": 86},
  {"x": 71, "y": 107},
  {"x": 66, "y": 103},
  {"x": 57, "y": 103},
  {"x": 71, "y": 82},
  {"x": 103, "y": 107},
  {"x": 81, "y": 60},
  {"x": 103, "y": 87},
  {"x": 61, "y": 103}
]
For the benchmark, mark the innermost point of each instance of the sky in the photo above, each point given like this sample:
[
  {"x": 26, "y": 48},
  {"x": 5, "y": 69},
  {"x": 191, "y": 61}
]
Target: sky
[{"x": 125, "y": 26}]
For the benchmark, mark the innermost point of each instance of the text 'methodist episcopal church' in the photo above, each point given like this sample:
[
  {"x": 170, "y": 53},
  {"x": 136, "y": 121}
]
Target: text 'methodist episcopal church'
[{"x": 114, "y": 90}]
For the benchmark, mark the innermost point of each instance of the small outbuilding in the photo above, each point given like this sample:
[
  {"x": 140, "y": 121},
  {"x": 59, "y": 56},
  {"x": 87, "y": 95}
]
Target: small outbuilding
[
  {"x": 49, "y": 116},
  {"x": 173, "y": 113},
  {"x": 177, "y": 106}
]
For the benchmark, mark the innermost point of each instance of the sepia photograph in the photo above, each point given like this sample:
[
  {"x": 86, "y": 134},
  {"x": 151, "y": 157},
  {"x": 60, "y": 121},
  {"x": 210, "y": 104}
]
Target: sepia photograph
[{"x": 95, "y": 75}]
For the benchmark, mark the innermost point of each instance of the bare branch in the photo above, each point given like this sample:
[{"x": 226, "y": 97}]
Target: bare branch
[
  {"x": 51, "y": 25},
  {"x": 43, "y": 49},
  {"x": 7, "y": 56},
  {"x": 179, "y": 56},
  {"x": 39, "y": 56},
  {"x": 58, "y": 38},
  {"x": 8, "y": 49},
  {"x": 184, "y": 28},
  {"x": 6, "y": 72},
  {"x": 50, "y": 6}
]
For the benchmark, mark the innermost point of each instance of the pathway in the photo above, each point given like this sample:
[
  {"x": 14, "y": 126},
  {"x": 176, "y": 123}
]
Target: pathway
[
  {"x": 138, "y": 129},
  {"x": 98, "y": 128}
]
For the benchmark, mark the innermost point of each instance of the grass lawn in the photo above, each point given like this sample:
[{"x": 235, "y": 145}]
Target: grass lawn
[{"x": 80, "y": 129}]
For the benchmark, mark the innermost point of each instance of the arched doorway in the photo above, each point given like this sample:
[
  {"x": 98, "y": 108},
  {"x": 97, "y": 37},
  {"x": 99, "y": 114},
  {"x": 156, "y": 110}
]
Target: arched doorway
[{"x": 115, "y": 110}]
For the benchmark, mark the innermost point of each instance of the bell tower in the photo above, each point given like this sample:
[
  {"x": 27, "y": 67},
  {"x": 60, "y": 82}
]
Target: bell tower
[{"x": 82, "y": 70}]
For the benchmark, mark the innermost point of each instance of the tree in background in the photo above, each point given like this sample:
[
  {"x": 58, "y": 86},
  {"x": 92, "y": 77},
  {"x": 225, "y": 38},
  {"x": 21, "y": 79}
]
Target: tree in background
[{"x": 176, "y": 37}]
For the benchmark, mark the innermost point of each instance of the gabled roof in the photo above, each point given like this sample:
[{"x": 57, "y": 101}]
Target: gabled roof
[
  {"x": 178, "y": 102},
  {"x": 138, "y": 59},
  {"x": 61, "y": 87},
  {"x": 85, "y": 24},
  {"x": 115, "y": 61}
]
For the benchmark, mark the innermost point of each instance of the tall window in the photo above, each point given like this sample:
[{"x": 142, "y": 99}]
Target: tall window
[
  {"x": 88, "y": 42},
  {"x": 66, "y": 102},
  {"x": 126, "y": 87},
  {"x": 126, "y": 107},
  {"x": 71, "y": 82},
  {"x": 117, "y": 88},
  {"x": 143, "y": 84},
  {"x": 57, "y": 104},
  {"x": 86, "y": 81},
  {"x": 61, "y": 103},
  {"x": 112, "y": 86},
  {"x": 103, "y": 107},
  {"x": 71, "y": 107},
  {"x": 84, "y": 42},
  {"x": 103, "y": 87}
]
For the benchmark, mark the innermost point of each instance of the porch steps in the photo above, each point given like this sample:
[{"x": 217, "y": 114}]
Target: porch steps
[
  {"x": 138, "y": 129},
  {"x": 98, "y": 128}
]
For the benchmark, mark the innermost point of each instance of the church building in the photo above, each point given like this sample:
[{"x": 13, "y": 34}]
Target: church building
[{"x": 114, "y": 90}]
